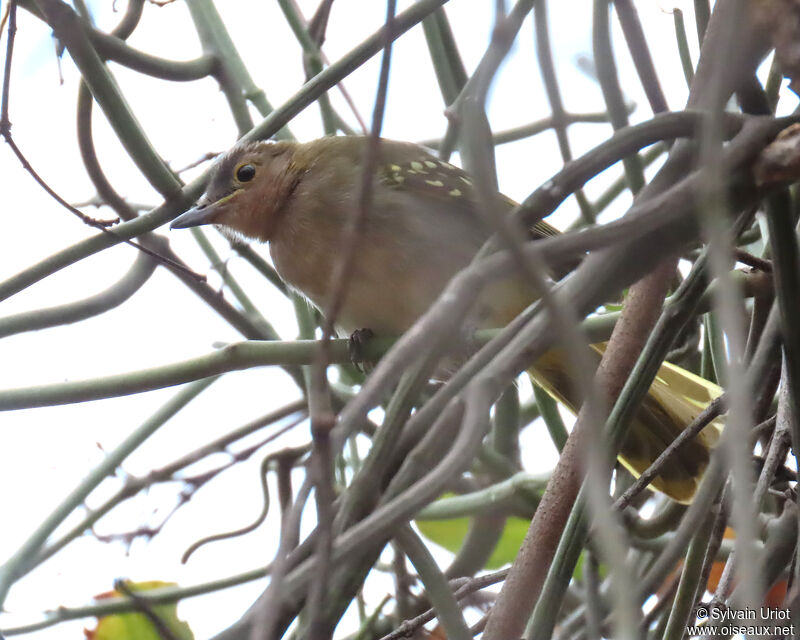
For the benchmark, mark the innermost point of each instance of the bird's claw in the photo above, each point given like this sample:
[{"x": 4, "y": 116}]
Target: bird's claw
[{"x": 358, "y": 340}]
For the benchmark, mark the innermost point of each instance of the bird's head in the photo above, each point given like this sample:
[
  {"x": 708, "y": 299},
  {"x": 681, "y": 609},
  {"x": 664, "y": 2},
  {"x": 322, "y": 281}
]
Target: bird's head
[{"x": 248, "y": 191}]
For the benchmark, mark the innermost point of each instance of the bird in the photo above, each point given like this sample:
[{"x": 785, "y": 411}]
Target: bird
[{"x": 423, "y": 225}]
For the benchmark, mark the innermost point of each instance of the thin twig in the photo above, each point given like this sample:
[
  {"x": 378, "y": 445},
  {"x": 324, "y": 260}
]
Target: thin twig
[
  {"x": 550, "y": 81},
  {"x": 752, "y": 261},
  {"x": 146, "y": 609},
  {"x": 264, "y": 468},
  {"x": 463, "y": 587},
  {"x": 714, "y": 409},
  {"x": 640, "y": 54},
  {"x": 100, "y": 225},
  {"x": 133, "y": 485},
  {"x": 322, "y": 418}
]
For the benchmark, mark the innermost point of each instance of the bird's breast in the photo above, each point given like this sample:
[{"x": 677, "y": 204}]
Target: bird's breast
[
  {"x": 402, "y": 260},
  {"x": 384, "y": 292}
]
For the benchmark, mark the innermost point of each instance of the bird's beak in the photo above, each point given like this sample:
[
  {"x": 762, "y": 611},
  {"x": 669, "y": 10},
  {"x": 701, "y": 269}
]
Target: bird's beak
[
  {"x": 194, "y": 217},
  {"x": 203, "y": 213}
]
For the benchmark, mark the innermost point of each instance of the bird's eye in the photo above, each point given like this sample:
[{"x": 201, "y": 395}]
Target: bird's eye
[{"x": 245, "y": 173}]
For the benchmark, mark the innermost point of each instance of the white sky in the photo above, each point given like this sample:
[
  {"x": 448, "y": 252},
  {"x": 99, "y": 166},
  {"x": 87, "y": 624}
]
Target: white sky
[{"x": 47, "y": 451}]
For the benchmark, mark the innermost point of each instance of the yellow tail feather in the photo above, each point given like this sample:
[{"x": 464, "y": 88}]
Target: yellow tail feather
[{"x": 675, "y": 398}]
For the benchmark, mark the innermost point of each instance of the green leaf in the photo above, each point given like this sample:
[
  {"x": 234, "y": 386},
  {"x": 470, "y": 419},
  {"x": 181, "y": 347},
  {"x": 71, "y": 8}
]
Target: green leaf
[
  {"x": 577, "y": 574},
  {"x": 450, "y": 534},
  {"x": 137, "y": 626}
]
